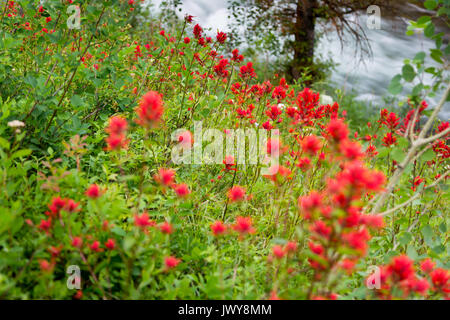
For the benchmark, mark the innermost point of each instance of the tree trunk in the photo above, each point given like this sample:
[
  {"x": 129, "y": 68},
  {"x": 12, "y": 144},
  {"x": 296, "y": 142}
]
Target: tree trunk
[{"x": 303, "y": 31}]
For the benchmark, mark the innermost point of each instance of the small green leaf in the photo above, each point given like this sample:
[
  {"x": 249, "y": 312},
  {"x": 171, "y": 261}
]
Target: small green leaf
[
  {"x": 21, "y": 153},
  {"x": 395, "y": 87},
  {"x": 408, "y": 72}
]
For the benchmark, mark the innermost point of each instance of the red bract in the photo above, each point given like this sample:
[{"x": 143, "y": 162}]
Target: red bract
[
  {"x": 117, "y": 134},
  {"x": 291, "y": 247},
  {"x": 311, "y": 144},
  {"x": 357, "y": 240},
  {"x": 185, "y": 139},
  {"x": 337, "y": 130},
  {"x": 165, "y": 177},
  {"x": 278, "y": 251},
  {"x": 221, "y": 37},
  {"x": 427, "y": 265},
  {"x": 229, "y": 164},
  {"x": 166, "y": 228},
  {"x": 309, "y": 203},
  {"x": 391, "y": 121},
  {"x": 243, "y": 225},
  {"x": 236, "y": 193},
  {"x": 182, "y": 190},
  {"x": 150, "y": 110},
  {"x": 110, "y": 244},
  {"x": 45, "y": 225},
  {"x": 440, "y": 279},
  {"x": 236, "y": 56},
  {"x": 95, "y": 246},
  {"x": 93, "y": 191},
  {"x": 143, "y": 221},
  {"x": 220, "y": 68},
  {"x": 171, "y": 262},
  {"x": 56, "y": 206},
  {"x": 77, "y": 242},
  {"x": 389, "y": 139},
  {"x": 46, "y": 266},
  {"x": 218, "y": 228},
  {"x": 197, "y": 31},
  {"x": 351, "y": 150},
  {"x": 402, "y": 267},
  {"x": 320, "y": 228},
  {"x": 117, "y": 125},
  {"x": 247, "y": 71}
]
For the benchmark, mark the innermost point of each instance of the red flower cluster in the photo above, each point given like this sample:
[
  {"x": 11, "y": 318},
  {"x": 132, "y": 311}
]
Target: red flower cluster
[{"x": 399, "y": 279}]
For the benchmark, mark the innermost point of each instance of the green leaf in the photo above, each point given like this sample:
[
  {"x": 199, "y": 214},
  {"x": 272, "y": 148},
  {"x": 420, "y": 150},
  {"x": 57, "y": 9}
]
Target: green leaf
[
  {"x": 408, "y": 72},
  {"x": 429, "y": 30},
  {"x": 411, "y": 252},
  {"x": 398, "y": 155},
  {"x": 76, "y": 101},
  {"x": 436, "y": 55},
  {"x": 428, "y": 155},
  {"x": 4, "y": 143},
  {"x": 395, "y": 87},
  {"x": 427, "y": 233},
  {"x": 420, "y": 57},
  {"x": 405, "y": 238},
  {"x": 423, "y": 20}
]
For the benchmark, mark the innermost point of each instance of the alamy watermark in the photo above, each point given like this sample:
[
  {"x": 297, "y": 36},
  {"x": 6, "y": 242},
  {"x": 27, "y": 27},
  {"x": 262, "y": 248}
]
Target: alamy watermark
[
  {"x": 374, "y": 17},
  {"x": 74, "y": 20},
  {"x": 373, "y": 281}
]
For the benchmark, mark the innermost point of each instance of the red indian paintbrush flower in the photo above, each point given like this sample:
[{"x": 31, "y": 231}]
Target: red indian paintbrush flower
[
  {"x": 389, "y": 139},
  {"x": 143, "y": 221},
  {"x": 311, "y": 144},
  {"x": 198, "y": 31},
  {"x": 278, "y": 251},
  {"x": 441, "y": 279},
  {"x": 337, "y": 129},
  {"x": 117, "y": 125},
  {"x": 110, "y": 244},
  {"x": 221, "y": 37},
  {"x": 77, "y": 242},
  {"x": 351, "y": 150},
  {"x": 243, "y": 225},
  {"x": 402, "y": 267},
  {"x": 182, "y": 190},
  {"x": 150, "y": 110},
  {"x": 427, "y": 265},
  {"x": 166, "y": 228},
  {"x": 165, "y": 177}
]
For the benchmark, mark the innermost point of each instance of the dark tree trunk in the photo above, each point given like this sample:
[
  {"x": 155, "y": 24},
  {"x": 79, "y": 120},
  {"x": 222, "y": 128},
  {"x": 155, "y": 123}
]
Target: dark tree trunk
[{"x": 303, "y": 31}]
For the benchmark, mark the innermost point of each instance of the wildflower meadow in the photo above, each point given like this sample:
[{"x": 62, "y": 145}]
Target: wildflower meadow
[{"x": 142, "y": 159}]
